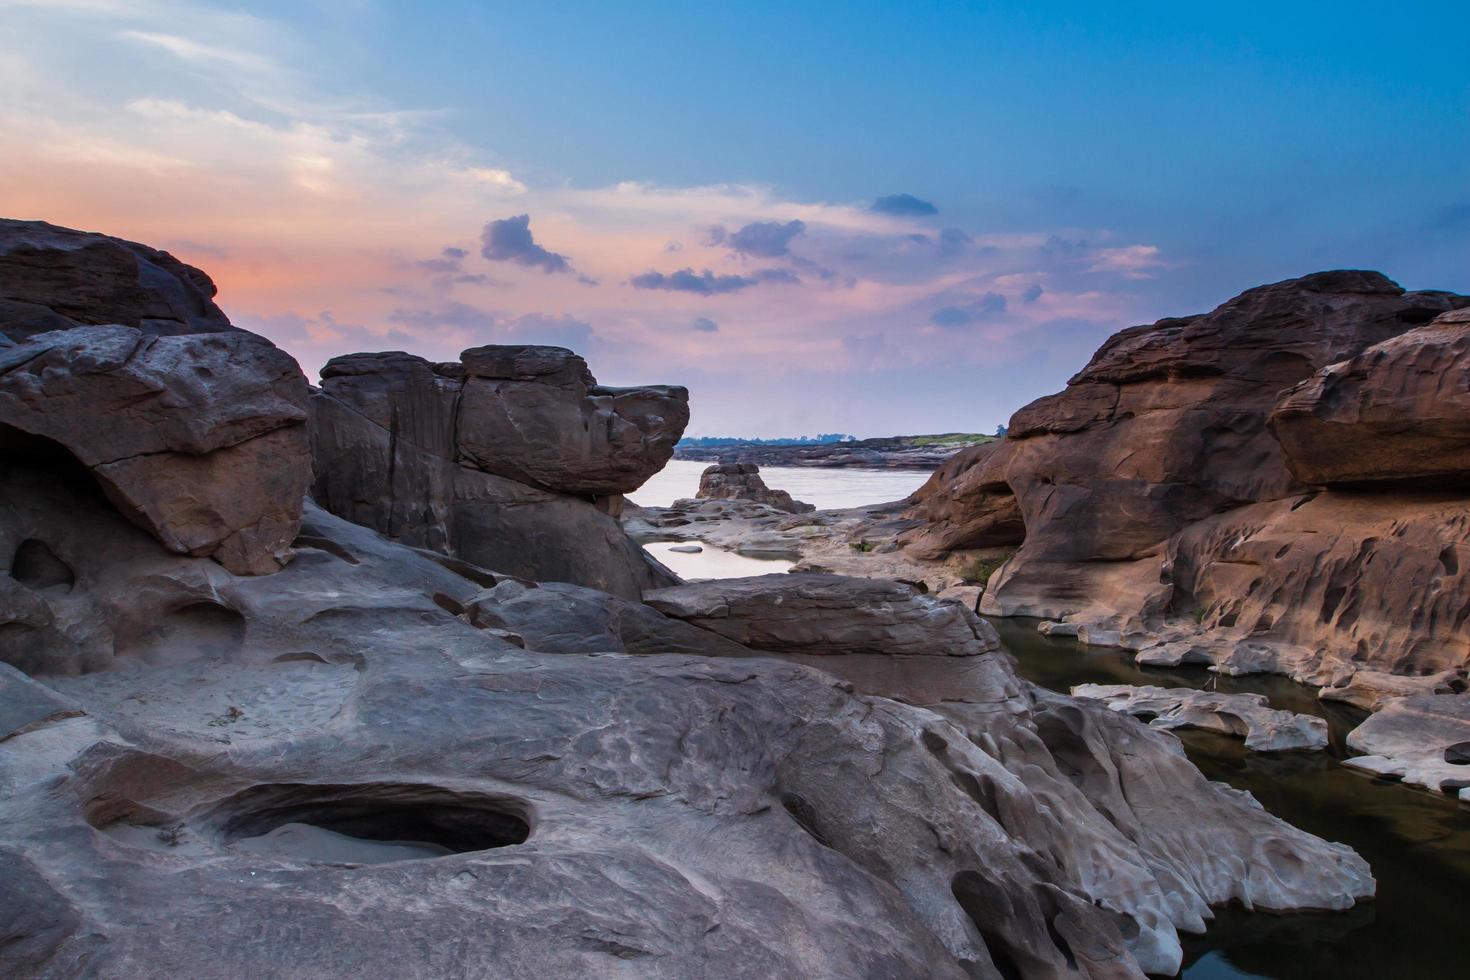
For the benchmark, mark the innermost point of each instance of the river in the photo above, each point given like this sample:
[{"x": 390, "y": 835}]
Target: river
[{"x": 1418, "y": 843}]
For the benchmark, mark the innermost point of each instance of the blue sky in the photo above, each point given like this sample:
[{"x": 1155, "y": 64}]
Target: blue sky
[{"x": 1089, "y": 166}]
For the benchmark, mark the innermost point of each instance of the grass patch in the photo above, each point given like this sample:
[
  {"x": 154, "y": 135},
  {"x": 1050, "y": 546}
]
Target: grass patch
[
  {"x": 950, "y": 439},
  {"x": 978, "y": 572}
]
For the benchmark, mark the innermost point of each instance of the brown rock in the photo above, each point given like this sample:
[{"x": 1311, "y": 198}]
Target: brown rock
[
  {"x": 1397, "y": 412},
  {"x": 53, "y": 278},
  {"x": 967, "y": 503},
  {"x": 742, "y": 481}
]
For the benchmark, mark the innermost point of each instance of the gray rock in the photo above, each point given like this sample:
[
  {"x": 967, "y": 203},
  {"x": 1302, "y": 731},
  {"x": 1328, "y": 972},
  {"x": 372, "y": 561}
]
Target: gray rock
[
  {"x": 387, "y": 437},
  {"x": 1423, "y": 740},
  {"x": 806, "y": 612},
  {"x": 1264, "y": 728}
]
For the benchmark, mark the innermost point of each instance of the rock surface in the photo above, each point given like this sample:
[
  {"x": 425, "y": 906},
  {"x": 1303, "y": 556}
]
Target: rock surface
[
  {"x": 1264, "y": 728},
  {"x": 742, "y": 481},
  {"x": 1397, "y": 413},
  {"x": 195, "y": 429},
  {"x": 598, "y": 809},
  {"x": 1153, "y": 506},
  {"x": 1423, "y": 740},
  {"x": 54, "y": 278},
  {"x": 449, "y": 457},
  {"x": 807, "y": 612},
  {"x": 884, "y": 452}
]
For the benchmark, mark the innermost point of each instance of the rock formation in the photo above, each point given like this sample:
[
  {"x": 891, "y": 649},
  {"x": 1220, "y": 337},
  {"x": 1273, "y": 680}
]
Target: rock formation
[
  {"x": 196, "y": 430},
  {"x": 385, "y": 760},
  {"x": 1199, "y": 488},
  {"x": 1423, "y": 740},
  {"x": 513, "y": 459},
  {"x": 1264, "y": 728},
  {"x": 806, "y": 612},
  {"x": 742, "y": 481}
]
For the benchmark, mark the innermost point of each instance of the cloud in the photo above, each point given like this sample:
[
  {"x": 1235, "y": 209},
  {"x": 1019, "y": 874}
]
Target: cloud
[
  {"x": 450, "y": 260},
  {"x": 955, "y": 317},
  {"x": 953, "y": 240},
  {"x": 510, "y": 240},
  {"x": 904, "y": 206},
  {"x": 765, "y": 239},
  {"x": 1131, "y": 261},
  {"x": 708, "y": 283},
  {"x": 704, "y": 324},
  {"x": 1031, "y": 293}
]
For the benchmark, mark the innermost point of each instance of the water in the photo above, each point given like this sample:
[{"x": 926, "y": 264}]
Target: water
[
  {"x": 826, "y": 488},
  {"x": 713, "y": 561},
  {"x": 1418, "y": 843}
]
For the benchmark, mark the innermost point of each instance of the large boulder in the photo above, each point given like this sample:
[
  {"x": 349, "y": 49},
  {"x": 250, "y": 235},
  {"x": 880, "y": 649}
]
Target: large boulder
[
  {"x": 196, "y": 430},
  {"x": 1398, "y": 412},
  {"x": 54, "y": 278},
  {"x": 1152, "y": 502},
  {"x": 742, "y": 481},
  {"x": 813, "y": 613},
  {"x": 432, "y": 456}
]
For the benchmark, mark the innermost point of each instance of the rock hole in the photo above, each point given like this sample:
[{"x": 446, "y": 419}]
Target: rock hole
[
  {"x": 1331, "y": 599},
  {"x": 449, "y": 604},
  {"x": 198, "y": 631},
  {"x": 303, "y": 657},
  {"x": 1458, "y": 754},
  {"x": 372, "y": 823},
  {"x": 36, "y": 566},
  {"x": 986, "y": 905},
  {"x": 325, "y": 544},
  {"x": 1449, "y": 561},
  {"x": 934, "y": 742},
  {"x": 981, "y": 790},
  {"x": 805, "y": 816}
]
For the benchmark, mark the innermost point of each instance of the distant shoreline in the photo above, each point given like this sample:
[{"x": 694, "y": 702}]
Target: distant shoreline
[{"x": 922, "y": 452}]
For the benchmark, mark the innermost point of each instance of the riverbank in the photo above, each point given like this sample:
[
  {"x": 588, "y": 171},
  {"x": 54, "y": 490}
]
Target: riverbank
[{"x": 922, "y": 453}]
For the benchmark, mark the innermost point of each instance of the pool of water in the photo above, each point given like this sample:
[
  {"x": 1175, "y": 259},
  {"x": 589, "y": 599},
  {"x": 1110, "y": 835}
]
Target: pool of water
[
  {"x": 826, "y": 488},
  {"x": 1418, "y": 843},
  {"x": 712, "y": 561}
]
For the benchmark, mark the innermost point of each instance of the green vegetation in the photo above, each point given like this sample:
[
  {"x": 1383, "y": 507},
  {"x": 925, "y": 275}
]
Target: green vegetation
[
  {"x": 950, "y": 439},
  {"x": 863, "y": 546},
  {"x": 978, "y": 572}
]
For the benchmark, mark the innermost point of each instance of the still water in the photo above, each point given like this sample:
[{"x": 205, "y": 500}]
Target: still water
[
  {"x": 1418, "y": 843},
  {"x": 712, "y": 562},
  {"x": 826, "y": 488}
]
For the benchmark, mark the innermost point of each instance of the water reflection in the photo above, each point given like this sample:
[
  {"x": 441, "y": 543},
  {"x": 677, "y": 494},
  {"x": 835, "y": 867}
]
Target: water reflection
[
  {"x": 713, "y": 561},
  {"x": 1418, "y": 843},
  {"x": 825, "y": 488}
]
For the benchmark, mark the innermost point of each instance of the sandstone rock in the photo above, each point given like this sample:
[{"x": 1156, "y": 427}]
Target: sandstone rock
[
  {"x": 1250, "y": 715},
  {"x": 1396, "y": 413},
  {"x": 742, "y": 481},
  {"x": 811, "y": 613},
  {"x": 1372, "y": 689},
  {"x": 685, "y": 814},
  {"x": 199, "y": 438},
  {"x": 54, "y": 278},
  {"x": 1423, "y": 740},
  {"x": 400, "y": 446},
  {"x": 967, "y": 503}
]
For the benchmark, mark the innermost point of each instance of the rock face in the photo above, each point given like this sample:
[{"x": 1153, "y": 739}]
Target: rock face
[
  {"x": 1250, "y": 715},
  {"x": 54, "y": 278},
  {"x": 742, "y": 481},
  {"x": 806, "y": 612},
  {"x": 195, "y": 430},
  {"x": 1397, "y": 413},
  {"x": 513, "y": 459},
  {"x": 238, "y": 767},
  {"x": 1156, "y": 503}
]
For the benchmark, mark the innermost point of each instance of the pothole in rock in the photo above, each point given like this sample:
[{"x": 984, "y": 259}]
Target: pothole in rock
[{"x": 373, "y": 823}]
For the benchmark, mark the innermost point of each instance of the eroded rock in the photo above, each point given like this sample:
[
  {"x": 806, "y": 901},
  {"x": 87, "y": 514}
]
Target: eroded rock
[
  {"x": 1251, "y": 716},
  {"x": 1423, "y": 740},
  {"x": 742, "y": 481}
]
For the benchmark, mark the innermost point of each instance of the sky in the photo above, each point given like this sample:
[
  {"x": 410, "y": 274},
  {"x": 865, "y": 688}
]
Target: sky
[{"x": 873, "y": 218}]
